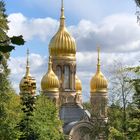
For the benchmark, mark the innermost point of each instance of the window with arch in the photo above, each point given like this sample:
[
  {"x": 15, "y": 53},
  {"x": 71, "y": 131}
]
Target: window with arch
[
  {"x": 58, "y": 72},
  {"x": 66, "y": 77}
]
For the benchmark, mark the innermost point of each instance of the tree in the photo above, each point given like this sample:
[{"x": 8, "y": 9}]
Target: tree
[
  {"x": 7, "y": 43},
  {"x": 46, "y": 121},
  {"x": 115, "y": 122},
  {"x": 40, "y": 119},
  {"x": 25, "y": 125},
  {"x": 9, "y": 109},
  {"x": 134, "y": 115},
  {"x": 114, "y": 134},
  {"x": 9, "y": 115},
  {"x": 137, "y": 11},
  {"x": 137, "y": 2},
  {"x": 122, "y": 91}
]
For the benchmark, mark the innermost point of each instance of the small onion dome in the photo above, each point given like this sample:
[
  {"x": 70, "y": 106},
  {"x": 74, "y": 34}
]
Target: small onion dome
[
  {"x": 50, "y": 82},
  {"x": 27, "y": 83},
  {"x": 78, "y": 85},
  {"x": 98, "y": 82},
  {"x": 62, "y": 44}
]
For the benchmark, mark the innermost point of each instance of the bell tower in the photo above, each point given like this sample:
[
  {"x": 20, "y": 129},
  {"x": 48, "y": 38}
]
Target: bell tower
[
  {"x": 62, "y": 48},
  {"x": 99, "y": 99},
  {"x": 98, "y": 93}
]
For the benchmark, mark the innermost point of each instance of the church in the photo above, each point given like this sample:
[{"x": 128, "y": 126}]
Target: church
[{"x": 62, "y": 85}]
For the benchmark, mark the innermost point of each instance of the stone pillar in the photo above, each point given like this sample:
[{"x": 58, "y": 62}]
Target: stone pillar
[
  {"x": 66, "y": 95},
  {"x": 99, "y": 111}
]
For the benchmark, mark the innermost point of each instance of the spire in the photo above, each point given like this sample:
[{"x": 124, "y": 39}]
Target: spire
[
  {"x": 27, "y": 57},
  {"x": 62, "y": 17},
  {"x": 98, "y": 59},
  {"x": 27, "y": 64},
  {"x": 50, "y": 64}
]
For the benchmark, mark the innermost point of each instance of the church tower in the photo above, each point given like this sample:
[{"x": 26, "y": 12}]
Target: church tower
[
  {"x": 62, "y": 48},
  {"x": 98, "y": 94},
  {"x": 50, "y": 84},
  {"x": 27, "y": 83}
]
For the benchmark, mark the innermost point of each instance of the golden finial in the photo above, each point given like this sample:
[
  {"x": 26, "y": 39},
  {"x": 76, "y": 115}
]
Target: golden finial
[
  {"x": 62, "y": 17},
  {"x": 98, "y": 82},
  {"x": 50, "y": 64},
  {"x": 27, "y": 57},
  {"x": 27, "y": 65},
  {"x": 98, "y": 64},
  {"x": 62, "y": 3}
]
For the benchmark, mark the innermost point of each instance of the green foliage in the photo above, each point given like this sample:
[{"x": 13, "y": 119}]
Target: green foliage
[
  {"x": 33, "y": 123},
  {"x": 7, "y": 44},
  {"x": 137, "y": 2},
  {"x": 3, "y": 19},
  {"x": 9, "y": 106},
  {"x": 115, "y": 117},
  {"x": 40, "y": 119},
  {"x": 9, "y": 101},
  {"x": 18, "y": 40},
  {"x": 134, "y": 128},
  {"x": 9, "y": 115},
  {"x": 134, "y": 115},
  {"x": 114, "y": 134},
  {"x": 122, "y": 92},
  {"x": 115, "y": 123},
  {"x": 45, "y": 120},
  {"x": 25, "y": 125}
]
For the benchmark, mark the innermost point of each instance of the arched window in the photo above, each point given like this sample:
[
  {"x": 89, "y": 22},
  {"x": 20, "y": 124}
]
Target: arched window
[
  {"x": 58, "y": 72},
  {"x": 66, "y": 77}
]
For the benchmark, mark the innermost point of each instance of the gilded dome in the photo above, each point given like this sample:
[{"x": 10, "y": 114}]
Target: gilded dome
[
  {"x": 27, "y": 83},
  {"x": 78, "y": 85},
  {"x": 98, "y": 82},
  {"x": 62, "y": 44},
  {"x": 50, "y": 81}
]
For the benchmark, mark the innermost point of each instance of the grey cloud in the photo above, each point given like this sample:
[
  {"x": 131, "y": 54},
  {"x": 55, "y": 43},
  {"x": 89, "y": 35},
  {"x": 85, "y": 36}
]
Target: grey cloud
[
  {"x": 116, "y": 33},
  {"x": 43, "y": 28},
  {"x": 118, "y": 36},
  {"x": 86, "y": 67}
]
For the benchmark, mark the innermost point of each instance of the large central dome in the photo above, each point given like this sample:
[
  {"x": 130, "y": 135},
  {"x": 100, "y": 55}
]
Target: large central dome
[{"x": 62, "y": 44}]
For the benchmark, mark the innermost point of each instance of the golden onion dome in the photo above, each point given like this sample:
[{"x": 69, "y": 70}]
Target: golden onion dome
[
  {"x": 78, "y": 85},
  {"x": 98, "y": 82},
  {"x": 50, "y": 82},
  {"x": 62, "y": 44},
  {"x": 27, "y": 83}
]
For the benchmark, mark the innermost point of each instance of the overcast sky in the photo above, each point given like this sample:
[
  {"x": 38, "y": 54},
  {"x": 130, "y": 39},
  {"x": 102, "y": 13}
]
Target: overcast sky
[{"x": 110, "y": 23}]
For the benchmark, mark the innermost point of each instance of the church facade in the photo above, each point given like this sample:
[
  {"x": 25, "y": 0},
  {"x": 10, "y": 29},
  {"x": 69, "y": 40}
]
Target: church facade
[{"x": 62, "y": 85}]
